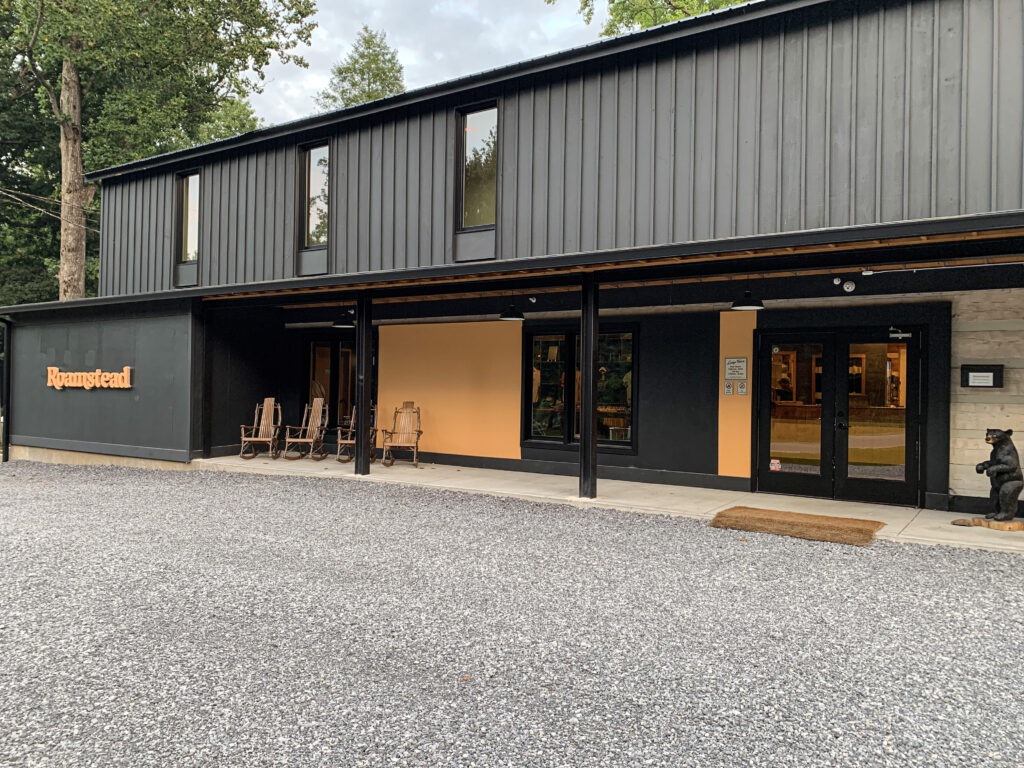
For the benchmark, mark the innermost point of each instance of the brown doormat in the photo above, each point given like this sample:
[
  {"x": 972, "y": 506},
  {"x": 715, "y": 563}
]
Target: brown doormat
[{"x": 842, "y": 530}]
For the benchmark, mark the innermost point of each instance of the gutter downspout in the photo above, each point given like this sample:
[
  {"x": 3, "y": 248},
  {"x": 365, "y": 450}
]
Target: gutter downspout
[{"x": 5, "y": 392}]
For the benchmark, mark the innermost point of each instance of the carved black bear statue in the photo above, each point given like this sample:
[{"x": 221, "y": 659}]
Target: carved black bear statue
[{"x": 1003, "y": 469}]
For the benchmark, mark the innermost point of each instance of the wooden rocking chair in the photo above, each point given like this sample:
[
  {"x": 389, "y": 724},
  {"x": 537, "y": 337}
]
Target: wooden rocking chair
[
  {"x": 308, "y": 440},
  {"x": 404, "y": 433},
  {"x": 347, "y": 438},
  {"x": 266, "y": 424}
]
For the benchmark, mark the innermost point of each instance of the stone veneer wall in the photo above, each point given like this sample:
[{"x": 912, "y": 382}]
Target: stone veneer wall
[{"x": 988, "y": 327}]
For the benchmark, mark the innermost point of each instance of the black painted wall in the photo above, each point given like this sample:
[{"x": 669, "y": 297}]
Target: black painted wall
[
  {"x": 152, "y": 420},
  {"x": 676, "y": 409}
]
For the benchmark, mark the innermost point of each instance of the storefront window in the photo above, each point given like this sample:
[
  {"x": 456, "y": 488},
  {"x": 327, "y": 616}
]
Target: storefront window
[
  {"x": 547, "y": 414},
  {"x": 551, "y": 400},
  {"x": 614, "y": 387}
]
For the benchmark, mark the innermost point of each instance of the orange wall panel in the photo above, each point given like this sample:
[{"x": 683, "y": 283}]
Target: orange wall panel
[
  {"x": 736, "y": 339},
  {"x": 465, "y": 377}
]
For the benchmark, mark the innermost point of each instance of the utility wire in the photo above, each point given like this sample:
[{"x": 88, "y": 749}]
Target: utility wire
[
  {"x": 50, "y": 200},
  {"x": 48, "y": 213}
]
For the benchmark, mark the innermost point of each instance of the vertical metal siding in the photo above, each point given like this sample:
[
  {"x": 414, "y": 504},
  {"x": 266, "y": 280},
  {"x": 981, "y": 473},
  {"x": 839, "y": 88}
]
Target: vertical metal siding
[{"x": 852, "y": 113}]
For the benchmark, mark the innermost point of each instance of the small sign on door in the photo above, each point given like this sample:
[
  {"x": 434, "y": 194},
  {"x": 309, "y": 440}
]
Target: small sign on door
[{"x": 775, "y": 465}]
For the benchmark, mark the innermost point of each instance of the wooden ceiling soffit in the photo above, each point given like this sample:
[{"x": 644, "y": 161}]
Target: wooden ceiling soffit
[{"x": 859, "y": 245}]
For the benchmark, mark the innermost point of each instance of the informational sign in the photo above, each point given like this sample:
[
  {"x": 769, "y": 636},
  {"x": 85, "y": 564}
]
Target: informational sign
[
  {"x": 984, "y": 376},
  {"x": 981, "y": 379},
  {"x": 775, "y": 465},
  {"x": 728, "y": 387},
  {"x": 735, "y": 368},
  {"x": 741, "y": 387},
  {"x": 58, "y": 379}
]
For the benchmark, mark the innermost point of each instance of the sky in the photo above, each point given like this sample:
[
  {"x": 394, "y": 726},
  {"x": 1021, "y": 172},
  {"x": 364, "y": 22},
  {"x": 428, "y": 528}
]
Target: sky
[{"x": 436, "y": 40}]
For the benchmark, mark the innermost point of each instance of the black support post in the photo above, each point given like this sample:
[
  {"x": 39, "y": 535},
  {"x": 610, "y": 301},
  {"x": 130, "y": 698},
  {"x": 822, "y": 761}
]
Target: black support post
[
  {"x": 5, "y": 394},
  {"x": 364, "y": 373},
  {"x": 588, "y": 387}
]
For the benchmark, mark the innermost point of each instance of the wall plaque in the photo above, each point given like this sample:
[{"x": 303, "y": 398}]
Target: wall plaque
[
  {"x": 735, "y": 368},
  {"x": 981, "y": 376},
  {"x": 97, "y": 379}
]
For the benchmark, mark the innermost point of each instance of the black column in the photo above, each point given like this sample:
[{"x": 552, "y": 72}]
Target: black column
[
  {"x": 364, "y": 372},
  {"x": 5, "y": 393},
  {"x": 588, "y": 387}
]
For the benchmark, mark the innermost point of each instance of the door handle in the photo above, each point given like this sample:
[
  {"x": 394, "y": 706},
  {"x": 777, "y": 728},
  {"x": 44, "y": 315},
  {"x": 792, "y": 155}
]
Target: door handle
[{"x": 841, "y": 425}]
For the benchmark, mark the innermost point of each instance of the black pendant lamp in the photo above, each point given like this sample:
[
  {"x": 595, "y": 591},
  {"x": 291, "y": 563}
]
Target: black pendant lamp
[
  {"x": 512, "y": 314},
  {"x": 347, "y": 321},
  {"x": 748, "y": 303}
]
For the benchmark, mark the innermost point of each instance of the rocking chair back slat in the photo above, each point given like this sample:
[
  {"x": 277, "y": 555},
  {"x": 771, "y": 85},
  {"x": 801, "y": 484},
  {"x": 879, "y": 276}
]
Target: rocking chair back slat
[
  {"x": 314, "y": 418},
  {"x": 265, "y": 418},
  {"x": 407, "y": 424}
]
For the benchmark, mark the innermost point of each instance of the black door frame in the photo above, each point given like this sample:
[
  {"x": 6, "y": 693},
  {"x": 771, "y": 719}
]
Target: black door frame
[{"x": 835, "y": 480}]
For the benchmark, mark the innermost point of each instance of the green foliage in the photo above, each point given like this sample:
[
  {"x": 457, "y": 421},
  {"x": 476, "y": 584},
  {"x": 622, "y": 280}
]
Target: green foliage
[
  {"x": 631, "y": 15},
  {"x": 156, "y": 76},
  {"x": 370, "y": 71}
]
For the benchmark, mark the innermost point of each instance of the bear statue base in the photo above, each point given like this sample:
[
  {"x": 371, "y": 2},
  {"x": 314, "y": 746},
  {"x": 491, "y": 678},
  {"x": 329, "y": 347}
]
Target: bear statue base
[{"x": 995, "y": 525}]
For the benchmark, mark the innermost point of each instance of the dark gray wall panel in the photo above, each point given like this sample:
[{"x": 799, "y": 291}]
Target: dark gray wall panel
[
  {"x": 848, "y": 113},
  {"x": 151, "y": 420}
]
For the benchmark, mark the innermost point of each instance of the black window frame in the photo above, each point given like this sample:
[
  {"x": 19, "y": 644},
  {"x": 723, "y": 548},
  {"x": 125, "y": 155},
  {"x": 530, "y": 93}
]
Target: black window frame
[
  {"x": 569, "y": 441},
  {"x": 180, "y": 184},
  {"x": 460, "y": 159},
  {"x": 304, "y": 177}
]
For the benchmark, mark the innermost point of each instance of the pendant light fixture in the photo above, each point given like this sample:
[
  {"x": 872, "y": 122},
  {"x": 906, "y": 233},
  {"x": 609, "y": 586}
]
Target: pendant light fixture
[
  {"x": 347, "y": 320},
  {"x": 748, "y": 303},
  {"x": 512, "y": 314}
]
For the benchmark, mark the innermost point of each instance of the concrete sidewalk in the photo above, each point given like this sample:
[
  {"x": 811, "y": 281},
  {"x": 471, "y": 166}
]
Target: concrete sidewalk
[{"x": 905, "y": 524}]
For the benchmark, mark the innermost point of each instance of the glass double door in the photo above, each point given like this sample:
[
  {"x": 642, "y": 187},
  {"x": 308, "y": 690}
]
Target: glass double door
[{"x": 838, "y": 415}]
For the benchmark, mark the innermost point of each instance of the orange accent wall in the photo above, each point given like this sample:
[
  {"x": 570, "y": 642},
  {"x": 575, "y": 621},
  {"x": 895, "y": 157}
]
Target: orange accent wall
[
  {"x": 465, "y": 377},
  {"x": 736, "y": 339}
]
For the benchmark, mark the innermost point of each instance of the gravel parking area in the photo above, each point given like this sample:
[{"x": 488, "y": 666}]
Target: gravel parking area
[{"x": 211, "y": 619}]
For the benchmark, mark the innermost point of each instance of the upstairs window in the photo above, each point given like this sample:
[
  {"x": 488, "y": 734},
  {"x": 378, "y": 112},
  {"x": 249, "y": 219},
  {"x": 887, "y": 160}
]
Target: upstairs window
[
  {"x": 188, "y": 211},
  {"x": 479, "y": 172},
  {"x": 317, "y": 174}
]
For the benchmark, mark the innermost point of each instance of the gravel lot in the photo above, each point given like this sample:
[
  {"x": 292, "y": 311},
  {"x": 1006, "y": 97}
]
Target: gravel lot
[{"x": 206, "y": 619}]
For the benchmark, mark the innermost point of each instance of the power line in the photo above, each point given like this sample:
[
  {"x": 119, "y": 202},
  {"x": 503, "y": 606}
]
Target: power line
[
  {"x": 48, "y": 213},
  {"x": 50, "y": 200}
]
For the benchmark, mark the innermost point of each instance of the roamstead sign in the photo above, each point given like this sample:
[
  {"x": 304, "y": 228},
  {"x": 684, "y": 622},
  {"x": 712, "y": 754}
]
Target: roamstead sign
[{"x": 97, "y": 379}]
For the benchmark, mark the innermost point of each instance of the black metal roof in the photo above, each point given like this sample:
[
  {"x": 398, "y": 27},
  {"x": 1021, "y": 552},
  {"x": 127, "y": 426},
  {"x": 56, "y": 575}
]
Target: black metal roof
[{"x": 755, "y": 9}]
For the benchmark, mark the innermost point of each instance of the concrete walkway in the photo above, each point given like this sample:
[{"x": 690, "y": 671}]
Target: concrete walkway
[{"x": 905, "y": 524}]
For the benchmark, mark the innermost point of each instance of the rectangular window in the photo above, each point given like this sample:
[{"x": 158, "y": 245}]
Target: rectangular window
[
  {"x": 317, "y": 174},
  {"x": 479, "y": 176},
  {"x": 553, "y": 355},
  {"x": 547, "y": 412},
  {"x": 188, "y": 248}
]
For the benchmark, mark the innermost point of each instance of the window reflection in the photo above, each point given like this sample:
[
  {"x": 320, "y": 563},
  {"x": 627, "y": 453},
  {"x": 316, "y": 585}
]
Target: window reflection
[
  {"x": 614, "y": 373},
  {"x": 190, "y": 217},
  {"x": 548, "y": 383},
  {"x": 317, "y": 177},
  {"x": 479, "y": 168}
]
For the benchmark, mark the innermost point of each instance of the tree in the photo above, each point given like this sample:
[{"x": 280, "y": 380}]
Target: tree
[
  {"x": 370, "y": 71},
  {"x": 630, "y": 15},
  {"x": 137, "y": 73}
]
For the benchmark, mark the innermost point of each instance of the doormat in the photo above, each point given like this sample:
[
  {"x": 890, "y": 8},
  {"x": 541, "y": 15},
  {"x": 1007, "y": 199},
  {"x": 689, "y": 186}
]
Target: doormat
[
  {"x": 995, "y": 525},
  {"x": 841, "y": 530}
]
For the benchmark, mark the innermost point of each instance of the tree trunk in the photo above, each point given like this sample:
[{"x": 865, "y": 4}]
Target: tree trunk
[{"x": 74, "y": 194}]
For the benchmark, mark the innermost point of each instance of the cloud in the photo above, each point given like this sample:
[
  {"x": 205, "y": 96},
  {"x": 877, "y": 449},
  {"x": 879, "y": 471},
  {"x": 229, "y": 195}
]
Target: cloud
[{"x": 436, "y": 41}]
